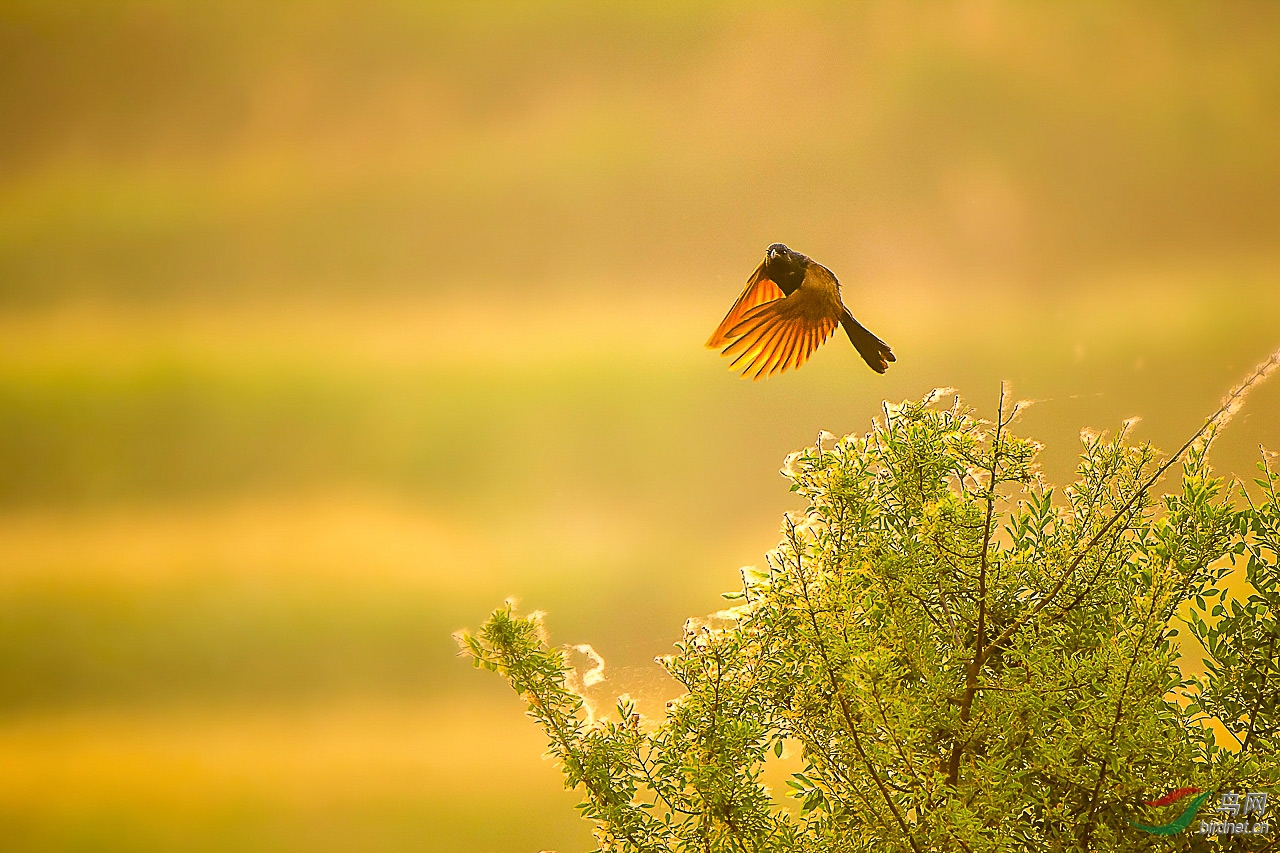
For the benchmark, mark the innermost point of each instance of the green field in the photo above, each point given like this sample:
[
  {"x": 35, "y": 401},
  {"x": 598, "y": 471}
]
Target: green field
[{"x": 325, "y": 328}]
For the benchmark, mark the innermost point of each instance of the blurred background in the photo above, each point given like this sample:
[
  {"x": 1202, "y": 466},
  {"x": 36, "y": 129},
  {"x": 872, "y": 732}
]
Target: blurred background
[{"x": 324, "y": 327}]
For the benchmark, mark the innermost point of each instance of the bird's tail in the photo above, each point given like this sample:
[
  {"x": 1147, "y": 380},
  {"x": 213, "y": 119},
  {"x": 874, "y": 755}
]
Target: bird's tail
[{"x": 874, "y": 352}]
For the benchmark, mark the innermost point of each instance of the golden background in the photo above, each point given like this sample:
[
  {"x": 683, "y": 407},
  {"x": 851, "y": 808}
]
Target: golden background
[{"x": 326, "y": 326}]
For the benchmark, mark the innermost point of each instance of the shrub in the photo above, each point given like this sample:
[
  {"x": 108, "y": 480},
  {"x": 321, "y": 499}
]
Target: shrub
[{"x": 964, "y": 657}]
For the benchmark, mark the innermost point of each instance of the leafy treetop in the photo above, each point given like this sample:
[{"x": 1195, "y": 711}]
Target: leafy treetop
[{"x": 965, "y": 658}]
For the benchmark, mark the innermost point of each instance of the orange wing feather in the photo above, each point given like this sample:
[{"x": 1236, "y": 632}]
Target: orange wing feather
[
  {"x": 758, "y": 291},
  {"x": 779, "y": 334}
]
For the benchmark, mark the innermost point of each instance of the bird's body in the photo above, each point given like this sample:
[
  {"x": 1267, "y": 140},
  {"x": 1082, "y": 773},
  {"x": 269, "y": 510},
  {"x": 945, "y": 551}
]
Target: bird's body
[{"x": 790, "y": 306}]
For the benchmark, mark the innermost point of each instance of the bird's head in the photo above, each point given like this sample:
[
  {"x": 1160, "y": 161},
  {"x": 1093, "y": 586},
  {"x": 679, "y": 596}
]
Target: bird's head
[{"x": 785, "y": 267}]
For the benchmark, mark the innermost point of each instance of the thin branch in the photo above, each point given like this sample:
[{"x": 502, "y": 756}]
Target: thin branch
[
  {"x": 842, "y": 700},
  {"x": 1228, "y": 407},
  {"x": 980, "y": 640},
  {"x": 1262, "y": 689},
  {"x": 1092, "y": 811}
]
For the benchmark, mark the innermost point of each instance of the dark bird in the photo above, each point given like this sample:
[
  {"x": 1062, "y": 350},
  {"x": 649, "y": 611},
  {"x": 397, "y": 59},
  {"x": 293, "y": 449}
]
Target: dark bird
[{"x": 790, "y": 306}]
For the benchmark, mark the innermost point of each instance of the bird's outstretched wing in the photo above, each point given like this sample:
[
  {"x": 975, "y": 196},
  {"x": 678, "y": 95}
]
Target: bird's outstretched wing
[
  {"x": 782, "y": 334},
  {"x": 759, "y": 290}
]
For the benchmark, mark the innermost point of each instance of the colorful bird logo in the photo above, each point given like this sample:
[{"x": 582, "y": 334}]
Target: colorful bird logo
[{"x": 1183, "y": 820}]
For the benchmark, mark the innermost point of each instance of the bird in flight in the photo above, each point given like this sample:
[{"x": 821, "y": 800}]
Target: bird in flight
[{"x": 790, "y": 306}]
